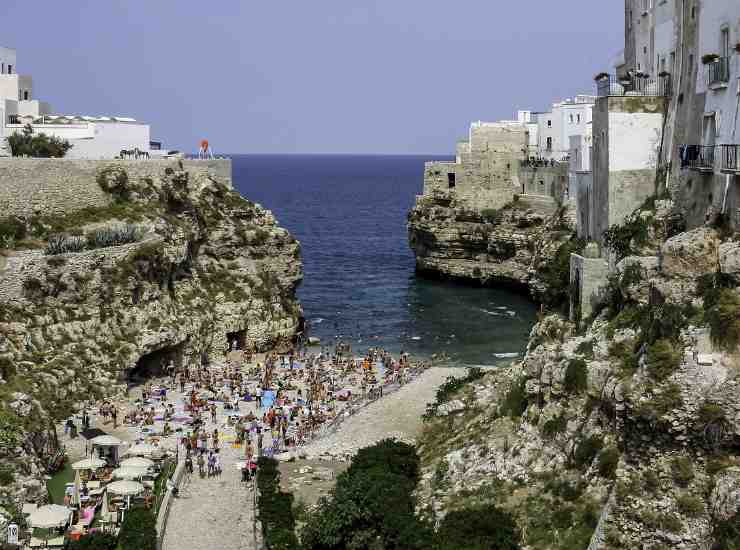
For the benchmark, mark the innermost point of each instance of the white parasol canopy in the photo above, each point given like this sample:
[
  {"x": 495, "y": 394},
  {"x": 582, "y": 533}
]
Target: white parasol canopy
[
  {"x": 106, "y": 441},
  {"x": 125, "y": 488},
  {"x": 51, "y": 515},
  {"x": 141, "y": 449},
  {"x": 129, "y": 473},
  {"x": 88, "y": 464},
  {"x": 137, "y": 462}
]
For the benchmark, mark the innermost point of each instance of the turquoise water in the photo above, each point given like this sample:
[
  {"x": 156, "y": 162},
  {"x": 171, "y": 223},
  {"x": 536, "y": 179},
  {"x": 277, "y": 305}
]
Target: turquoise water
[{"x": 349, "y": 212}]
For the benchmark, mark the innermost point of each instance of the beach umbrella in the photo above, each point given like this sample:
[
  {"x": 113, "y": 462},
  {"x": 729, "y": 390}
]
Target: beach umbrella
[
  {"x": 106, "y": 441},
  {"x": 104, "y": 509},
  {"x": 88, "y": 464},
  {"x": 49, "y": 516},
  {"x": 129, "y": 473},
  {"x": 141, "y": 449},
  {"x": 76, "y": 490},
  {"x": 125, "y": 488},
  {"x": 137, "y": 462}
]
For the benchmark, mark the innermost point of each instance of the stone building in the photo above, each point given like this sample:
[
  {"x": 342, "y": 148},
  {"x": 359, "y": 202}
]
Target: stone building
[{"x": 485, "y": 173}]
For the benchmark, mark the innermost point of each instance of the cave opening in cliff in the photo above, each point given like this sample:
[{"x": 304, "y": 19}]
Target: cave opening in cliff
[
  {"x": 155, "y": 363},
  {"x": 237, "y": 340}
]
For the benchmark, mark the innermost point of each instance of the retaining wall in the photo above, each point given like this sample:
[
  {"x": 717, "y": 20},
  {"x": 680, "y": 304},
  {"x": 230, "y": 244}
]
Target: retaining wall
[{"x": 57, "y": 186}]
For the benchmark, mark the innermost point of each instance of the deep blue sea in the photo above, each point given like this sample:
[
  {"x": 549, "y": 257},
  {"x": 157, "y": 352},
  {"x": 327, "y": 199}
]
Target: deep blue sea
[{"x": 349, "y": 212}]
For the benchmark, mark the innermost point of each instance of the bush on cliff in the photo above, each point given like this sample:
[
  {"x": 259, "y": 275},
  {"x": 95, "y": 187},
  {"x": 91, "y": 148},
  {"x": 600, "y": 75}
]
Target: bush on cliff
[
  {"x": 663, "y": 359},
  {"x": 139, "y": 530},
  {"x": 481, "y": 528},
  {"x": 371, "y": 505},
  {"x": 275, "y": 508},
  {"x": 28, "y": 144},
  {"x": 555, "y": 275},
  {"x": 723, "y": 318},
  {"x": 576, "y": 376}
]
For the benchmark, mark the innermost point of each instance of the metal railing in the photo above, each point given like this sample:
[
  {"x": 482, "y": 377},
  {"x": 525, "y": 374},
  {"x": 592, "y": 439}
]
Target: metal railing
[
  {"x": 730, "y": 157},
  {"x": 612, "y": 86},
  {"x": 718, "y": 72},
  {"x": 697, "y": 157}
]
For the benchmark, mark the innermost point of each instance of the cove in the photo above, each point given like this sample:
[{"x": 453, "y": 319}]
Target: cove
[{"x": 349, "y": 212}]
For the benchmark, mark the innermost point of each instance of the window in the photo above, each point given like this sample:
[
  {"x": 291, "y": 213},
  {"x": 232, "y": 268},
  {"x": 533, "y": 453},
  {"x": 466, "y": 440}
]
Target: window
[
  {"x": 693, "y": 12},
  {"x": 578, "y": 118},
  {"x": 571, "y": 119},
  {"x": 629, "y": 21},
  {"x": 691, "y": 63},
  {"x": 549, "y": 144},
  {"x": 25, "y": 95},
  {"x": 549, "y": 123},
  {"x": 10, "y": 69},
  {"x": 2, "y": 71},
  {"x": 451, "y": 181}
]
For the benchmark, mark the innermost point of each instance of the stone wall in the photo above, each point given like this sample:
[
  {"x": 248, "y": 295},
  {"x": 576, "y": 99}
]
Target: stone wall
[
  {"x": 589, "y": 276},
  {"x": 56, "y": 186},
  {"x": 550, "y": 181}
]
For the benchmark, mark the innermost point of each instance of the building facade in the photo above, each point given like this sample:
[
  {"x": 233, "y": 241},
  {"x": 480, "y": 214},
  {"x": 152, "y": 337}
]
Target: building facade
[{"x": 91, "y": 137}]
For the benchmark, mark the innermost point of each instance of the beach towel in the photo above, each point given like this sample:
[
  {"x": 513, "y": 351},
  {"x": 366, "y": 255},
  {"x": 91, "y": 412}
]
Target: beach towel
[{"x": 268, "y": 398}]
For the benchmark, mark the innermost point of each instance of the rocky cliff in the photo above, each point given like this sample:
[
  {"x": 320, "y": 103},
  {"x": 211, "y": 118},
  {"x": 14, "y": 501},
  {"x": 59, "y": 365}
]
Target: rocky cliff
[
  {"x": 516, "y": 245},
  {"x": 623, "y": 432},
  {"x": 177, "y": 267}
]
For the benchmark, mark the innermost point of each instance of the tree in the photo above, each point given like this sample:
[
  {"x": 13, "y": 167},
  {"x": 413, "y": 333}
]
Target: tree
[
  {"x": 481, "y": 528},
  {"x": 37, "y": 145},
  {"x": 139, "y": 530},
  {"x": 96, "y": 541}
]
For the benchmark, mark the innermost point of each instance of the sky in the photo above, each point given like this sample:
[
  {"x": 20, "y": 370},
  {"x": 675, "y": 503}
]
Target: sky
[{"x": 320, "y": 76}]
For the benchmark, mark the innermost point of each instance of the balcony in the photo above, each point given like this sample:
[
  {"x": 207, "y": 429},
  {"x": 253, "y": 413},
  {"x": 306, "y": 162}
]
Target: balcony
[
  {"x": 718, "y": 73},
  {"x": 698, "y": 157},
  {"x": 729, "y": 158},
  {"x": 613, "y": 86}
]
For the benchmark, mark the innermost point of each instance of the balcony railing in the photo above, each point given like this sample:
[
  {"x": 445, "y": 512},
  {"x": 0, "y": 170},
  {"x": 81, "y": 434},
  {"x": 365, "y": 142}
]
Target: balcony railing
[
  {"x": 611, "y": 86},
  {"x": 730, "y": 157},
  {"x": 718, "y": 72},
  {"x": 698, "y": 157}
]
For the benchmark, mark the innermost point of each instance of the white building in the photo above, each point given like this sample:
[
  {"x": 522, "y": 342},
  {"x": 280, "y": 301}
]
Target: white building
[
  {"x": 571, "y": 117},
  {"x": 91, "y": 137}
]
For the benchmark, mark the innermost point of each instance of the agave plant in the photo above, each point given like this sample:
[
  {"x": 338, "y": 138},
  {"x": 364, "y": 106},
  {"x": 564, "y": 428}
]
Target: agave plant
[
  {"x": 113, "y": 236},
  {"x": 64, "y": 244}
]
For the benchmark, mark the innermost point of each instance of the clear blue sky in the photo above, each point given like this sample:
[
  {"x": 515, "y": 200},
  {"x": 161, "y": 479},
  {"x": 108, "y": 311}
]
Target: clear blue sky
[{"x": 324, "y": 76}]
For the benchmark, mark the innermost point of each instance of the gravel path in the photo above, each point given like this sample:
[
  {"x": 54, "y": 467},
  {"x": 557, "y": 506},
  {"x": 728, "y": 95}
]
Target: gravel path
[{"x": 397, "y": 415}]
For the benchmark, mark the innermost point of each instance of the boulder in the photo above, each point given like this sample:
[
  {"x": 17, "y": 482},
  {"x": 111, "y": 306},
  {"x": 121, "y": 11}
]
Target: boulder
[
  {"x": 691, "y": 254},
  {"x": 729, "y": 258}
]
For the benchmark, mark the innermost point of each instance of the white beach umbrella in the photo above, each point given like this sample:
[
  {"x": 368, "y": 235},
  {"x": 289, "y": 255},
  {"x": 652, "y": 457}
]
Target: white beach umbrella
[
  {"x": 51, "y": 515},
  {"x": 106, "y": 441},
  {"x": 129, "y": 473},
  {"x": 88, "y": 464},
  {"x": 104, "y": 508},
  {"x": 126, "y": 488},
  {"x": 137, "y": 462},
  {"x": 141, "y": 449}
]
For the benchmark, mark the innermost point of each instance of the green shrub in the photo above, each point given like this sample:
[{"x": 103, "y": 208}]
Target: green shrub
[
  {"x": 652, "y": 481},
  {"x": 626, "y": 239},
  {"x": 626, "y": 358},
  {"x": 6, "y": 477},
  {"x": 450, "y": 387},
  {"x": 587, "y": 450},
  {"x": 555, "y": 426},
  {"x": 608, "y": 462},
  {"x": 275, "y": 507},
  {"x": 515, "y": 401},
  {"x": 28, "y": 144},
  {"x": 663, "y": 359},
  {"x": 12, "y": 230},
  {"x": 94, "y": 541},
  {"x": 723, "y": 318},
  {"x": 690, "y": 505},
  {"x": 576, "y": 376},
  {"x": 555, "y": 274},
  {"x": 727, "y": 534},
  {"x": 586, "y": 348},
  {"x": 371, "y": 505},
  {"x": 489, "y": 215},
  {"x": 139, "y": 531},
  {"x": 480, "y": 528},
  {"x": 113, "y": 236},
  {"x": 683, "y": 470}
]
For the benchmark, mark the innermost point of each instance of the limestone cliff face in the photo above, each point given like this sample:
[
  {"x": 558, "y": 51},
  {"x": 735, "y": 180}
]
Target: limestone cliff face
[
  {"x": 623, "y": 433},
  {"x": 510, "y": 246},
  {"x": 206, "y": 268}
]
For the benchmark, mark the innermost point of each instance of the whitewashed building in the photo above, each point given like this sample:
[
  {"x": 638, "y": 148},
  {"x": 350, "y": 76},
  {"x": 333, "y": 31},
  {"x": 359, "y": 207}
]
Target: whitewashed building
[
  {"x": 571, "y": 117},
  {"x": 92, "y": 137}
]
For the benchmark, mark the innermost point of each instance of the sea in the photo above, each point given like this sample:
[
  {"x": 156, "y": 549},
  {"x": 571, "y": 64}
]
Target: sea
[{"x": 349, "y": 213}]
